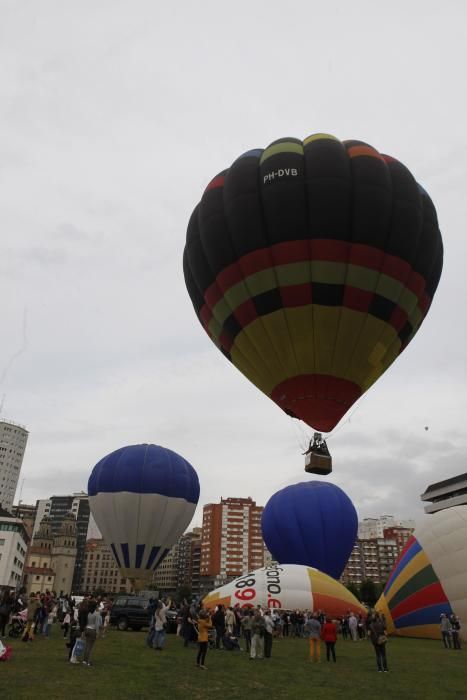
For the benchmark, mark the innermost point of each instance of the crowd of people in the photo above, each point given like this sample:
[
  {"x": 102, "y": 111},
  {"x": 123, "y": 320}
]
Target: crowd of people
[
  {"x": 35, "y": 615},
  {"x": 252, "y": 630},
  {"x": 223, "y": 628}
]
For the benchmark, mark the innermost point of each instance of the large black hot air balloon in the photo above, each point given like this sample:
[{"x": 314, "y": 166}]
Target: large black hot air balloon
[{"x": 311, "y": 266}]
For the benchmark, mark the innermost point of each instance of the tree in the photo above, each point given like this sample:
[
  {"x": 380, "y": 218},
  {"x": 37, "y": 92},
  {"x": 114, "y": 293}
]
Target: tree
[
  {"x": 369, "y": 592},
  {"x": 182, "y": 592},
  {"x": 353, "y": 588}
]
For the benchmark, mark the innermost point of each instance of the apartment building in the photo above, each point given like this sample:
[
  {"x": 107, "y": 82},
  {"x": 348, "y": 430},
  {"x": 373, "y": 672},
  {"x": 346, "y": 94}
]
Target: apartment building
[
  {"x": 232, "y": 543},
  {"x": 13, "y": 439}
]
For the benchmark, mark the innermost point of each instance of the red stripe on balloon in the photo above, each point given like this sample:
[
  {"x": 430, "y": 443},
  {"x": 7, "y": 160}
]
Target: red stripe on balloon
[
  {"x": 246, "y": 313},
  {"x": 296, "y": 295},
  {"x": 357, "y": 299},
  {"x": 430, "y": 595},
  {"x": 216, "y": 182},
  {"x": 398, "y": 319},
  {"x": 316, "y": 250}
]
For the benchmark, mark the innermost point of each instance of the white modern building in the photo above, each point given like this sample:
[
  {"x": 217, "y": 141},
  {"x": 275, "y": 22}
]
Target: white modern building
[
  {"x": 13, "y": 439},
  {"x": 13, "y": 546},
  {"x": 373, "y": 528},
  {"x": 446, "y": 494}
]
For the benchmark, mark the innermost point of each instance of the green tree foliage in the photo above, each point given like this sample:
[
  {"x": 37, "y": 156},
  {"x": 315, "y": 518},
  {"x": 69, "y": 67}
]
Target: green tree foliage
[
  {"x": 353, "y": 588},
  {"x": 369, "y": 592},
  {"x": 184, "y": 592}
]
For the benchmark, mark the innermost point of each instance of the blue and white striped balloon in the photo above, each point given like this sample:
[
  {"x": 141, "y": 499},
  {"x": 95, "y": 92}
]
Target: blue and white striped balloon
[{"x": 143, "y": 498}]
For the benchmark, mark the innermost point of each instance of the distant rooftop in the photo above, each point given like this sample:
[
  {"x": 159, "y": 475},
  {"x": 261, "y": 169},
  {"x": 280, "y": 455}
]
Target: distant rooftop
[
  {"x": 15, "y": 425},
  {"x": 446, "y": 494}
]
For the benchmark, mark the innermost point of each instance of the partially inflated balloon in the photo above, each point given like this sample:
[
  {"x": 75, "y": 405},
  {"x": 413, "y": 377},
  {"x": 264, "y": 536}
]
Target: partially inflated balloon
[
  {"x": 311, "y": 265},
  {"x": 430, "y": 577},
  {"x": 142, "y": 497},
  {"x": 312, "y": 523},
  {"x": 288, "y": 587}
]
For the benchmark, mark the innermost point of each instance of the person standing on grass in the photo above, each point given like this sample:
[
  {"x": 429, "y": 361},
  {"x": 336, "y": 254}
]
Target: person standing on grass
[
  {"x": 93, "y": 624},
  {"x": 160, "y": 624},
  {"x": 455, "y": 629},
  {"x": 6, "y": 606},
  {"x": 344, "y": 627},
  {"x": 268, "y": 634},
  {"x": 446, "y": 629},
  {"x": 230, "y": 620},
  {"x": 246, "y": 627},
  {"x": 33, "y": 607},
  {"x": 257, "y": 636},
  {"x": 377, "y": 633},
  {"x": 329, "y": 637},
  {"x": 83, "y": 612},
  {"x": 313, "y": 629},
  {"x": 47, "y": 625},
  {"x": 353, "y": 626},
  {"x": 204, "y": 625},
  {"x": 218, "y": 620},
  {"x": 285, "y": 624}
]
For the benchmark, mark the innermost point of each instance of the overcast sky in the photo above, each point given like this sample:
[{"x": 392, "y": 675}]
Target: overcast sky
[{"x": 114, "y": 117}]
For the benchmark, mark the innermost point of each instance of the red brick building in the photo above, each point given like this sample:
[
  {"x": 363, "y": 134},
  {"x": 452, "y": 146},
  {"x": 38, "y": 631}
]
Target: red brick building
[{"x": 231, "y": 543}]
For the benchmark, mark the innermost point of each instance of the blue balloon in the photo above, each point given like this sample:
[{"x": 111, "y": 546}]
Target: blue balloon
[
  {"x": 313, "y": 523},
  {"x": 142, "y": 497}
]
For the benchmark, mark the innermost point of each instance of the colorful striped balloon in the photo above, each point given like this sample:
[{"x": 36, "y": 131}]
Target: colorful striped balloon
[
  {"x": 287, "y": 587},
  {"x": 429, "y": 578},
  {"x": 311, "y": 265}
]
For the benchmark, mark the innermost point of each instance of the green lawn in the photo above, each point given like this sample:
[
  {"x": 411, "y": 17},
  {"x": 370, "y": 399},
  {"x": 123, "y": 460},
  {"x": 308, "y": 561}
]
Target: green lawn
[{"x": 125, "y": 668}]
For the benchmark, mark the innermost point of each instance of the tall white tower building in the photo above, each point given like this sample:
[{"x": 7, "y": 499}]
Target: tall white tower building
[{"x": 13, "y": 439}]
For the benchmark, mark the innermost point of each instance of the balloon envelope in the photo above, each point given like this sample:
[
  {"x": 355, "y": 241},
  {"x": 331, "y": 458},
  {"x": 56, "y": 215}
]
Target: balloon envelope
[
  {"x": 430, "y": 577},
  {"x": 312, "y": 523},
  {"x": 288, "y": 587},
  {"x": 142, "y": 498},
  {"x": 311, "y": 265}
]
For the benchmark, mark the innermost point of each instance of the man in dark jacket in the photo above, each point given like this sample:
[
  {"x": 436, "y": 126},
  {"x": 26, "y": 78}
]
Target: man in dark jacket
[
  {"x": 218, "y": 620},
  {"x": 377, "y": 633}
]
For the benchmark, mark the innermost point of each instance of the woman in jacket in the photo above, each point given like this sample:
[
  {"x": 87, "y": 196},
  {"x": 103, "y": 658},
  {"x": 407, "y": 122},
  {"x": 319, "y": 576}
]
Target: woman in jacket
[
  {"x": 204, "y": 625},
  {"x": 377, "y": 634},
  {"x": 329, "y": 637}
]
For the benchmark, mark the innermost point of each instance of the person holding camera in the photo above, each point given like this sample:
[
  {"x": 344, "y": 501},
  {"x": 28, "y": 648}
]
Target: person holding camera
[{"x": 204, "y": 625}]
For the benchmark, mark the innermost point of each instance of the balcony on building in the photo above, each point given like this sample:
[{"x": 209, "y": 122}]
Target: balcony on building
[{"x": 446, "y": 494}]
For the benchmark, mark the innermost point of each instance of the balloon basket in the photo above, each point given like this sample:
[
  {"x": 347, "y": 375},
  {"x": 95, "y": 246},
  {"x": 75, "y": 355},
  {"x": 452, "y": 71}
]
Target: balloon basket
[{"x": 318, "y": 464}]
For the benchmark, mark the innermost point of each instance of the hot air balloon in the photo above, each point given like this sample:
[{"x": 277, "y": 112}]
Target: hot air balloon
[
  {"x": 312, "y": 523},
  {"x": 288, "y": 587},
  {"x": 430, "y": 577},
  {"x": 142, "y": 497},
  {"x": 311, "y": 265}
]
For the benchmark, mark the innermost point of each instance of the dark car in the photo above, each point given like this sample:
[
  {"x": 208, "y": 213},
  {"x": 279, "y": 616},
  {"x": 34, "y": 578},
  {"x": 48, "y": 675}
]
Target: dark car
[{"x": 130, "y": 612}]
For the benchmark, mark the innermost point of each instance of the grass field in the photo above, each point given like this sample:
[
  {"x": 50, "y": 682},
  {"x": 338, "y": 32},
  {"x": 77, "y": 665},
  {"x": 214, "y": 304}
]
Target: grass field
[{"x": 125, "y": 668}]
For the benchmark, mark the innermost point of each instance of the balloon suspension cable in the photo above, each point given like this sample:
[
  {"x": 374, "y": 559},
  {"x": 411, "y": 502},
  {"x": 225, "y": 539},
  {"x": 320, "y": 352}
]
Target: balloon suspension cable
[
  {"x": 348, "y": 420},
  {"x": 300, "y": 434}
]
